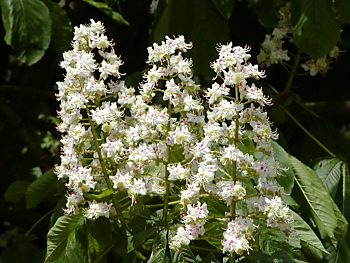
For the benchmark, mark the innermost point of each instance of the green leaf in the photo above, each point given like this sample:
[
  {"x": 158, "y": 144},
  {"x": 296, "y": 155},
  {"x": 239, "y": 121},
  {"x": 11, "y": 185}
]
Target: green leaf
[
  {"x": 28, "y": 28},
  {"x": 184, "y": 255},
  {"x": 176, "y": 153},
  {"x": 316, "y": 31},
  {"x": 330, "y": 172},
  {"x": 342, "y": 9},
  {"x": 41, "y": 188},
  {"x": 61, "y": 27},
  {"x": 16, "y": 190},
  {"x": 286, "y": 179},
  {"x": 225, "y": 7},
  {"x": 62, "y": 236},
  {"x": 310, "y": 242},
  {"x": 200, "y": 23},
  {"x": 99, "y": 235},
  {"x": 329, "y": 220},
  {"x": 108, "y": 11},
  {"x": 160, "y": 249}
]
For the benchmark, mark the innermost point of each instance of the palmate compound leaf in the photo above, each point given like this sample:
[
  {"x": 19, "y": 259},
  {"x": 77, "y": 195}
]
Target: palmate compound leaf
[
  {"x": 62, "y": 236},
  {"x": 328, "y": 218},
  {"x": 27, "y": 25}
]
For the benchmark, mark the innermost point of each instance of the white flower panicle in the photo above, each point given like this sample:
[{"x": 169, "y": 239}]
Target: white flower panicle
[
  {"x": 235, "y": 156},
  {"x": 160, "y": 140},
  {"x": 272, "y": 51}
]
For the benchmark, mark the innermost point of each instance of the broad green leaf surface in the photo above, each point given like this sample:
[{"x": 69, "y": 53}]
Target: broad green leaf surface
[
  {"x": 28, "y": 28},
  {"x": 62, "y": 235},
  {"x": 330, "y": 172},
  {"x": 201, "y": 24},
  {"x": 38, "y": 190},
  {"x": 309, "y": 240},
  {"x": 316, "y": 31},
  {"x": 16, "y": 191},
  {"x": 286, "y": 179},
  {"x": 61, "y": 27},
  {"x": 328, "y": 218}
]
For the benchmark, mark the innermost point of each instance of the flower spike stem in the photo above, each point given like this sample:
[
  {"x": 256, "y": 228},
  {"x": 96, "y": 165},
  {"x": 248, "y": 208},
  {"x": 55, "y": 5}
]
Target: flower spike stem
[{"x": 103, "y": 166}]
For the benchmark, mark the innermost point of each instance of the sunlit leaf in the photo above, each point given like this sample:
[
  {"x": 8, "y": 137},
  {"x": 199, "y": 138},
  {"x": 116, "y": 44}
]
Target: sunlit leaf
[
  {"x": 28, "y": 28},
  {"x": 328, "y": 218},
  {"x": 309, "y": 240},
  {"x": 330, "y": 172},
  {"x": 61, "y": 235},
  {"x": 286, "y": 179}
]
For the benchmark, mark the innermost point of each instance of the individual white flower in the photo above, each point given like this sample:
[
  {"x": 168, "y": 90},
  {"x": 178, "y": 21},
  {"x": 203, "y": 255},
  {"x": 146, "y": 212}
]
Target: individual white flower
[
  {"x": 177, "y": 172},
  {"x": 237, "y": 236},
  {"x": 196, "y": 213},
  {"x": 96, "y": 210},
  {"x": 181, "y": 238}
]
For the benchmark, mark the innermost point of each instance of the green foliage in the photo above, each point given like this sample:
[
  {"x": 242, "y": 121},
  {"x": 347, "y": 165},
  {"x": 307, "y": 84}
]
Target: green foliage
[
  {"x": 62, "y": 240},
  {"x": 316, "y": 31},
  {"x": 325, "y": 213},
  {"x": 61, "y": 27},
  {"x": 28, "y": 28},
  {"x": 116, "y": 16},
  {"x": 16, "y": 190},
  {"x": 330, "y": 173},
  {"x": 41, "y": 188},
  {"x": 311, "y": 244}
]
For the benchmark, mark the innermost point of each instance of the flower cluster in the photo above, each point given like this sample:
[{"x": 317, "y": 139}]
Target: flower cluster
[
  {"x": 272, "y": 51},
  {"x": 322, "y": 64},
  {"x": 81, "y": 89},
  {"x": 158, "y": 139}
]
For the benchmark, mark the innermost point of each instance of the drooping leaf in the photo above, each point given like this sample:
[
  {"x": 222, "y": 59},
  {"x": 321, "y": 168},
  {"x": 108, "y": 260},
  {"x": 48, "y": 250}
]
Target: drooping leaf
[
  {"x": 108, "y": 11},
  {"x": 40, "y": 188},
  {"x": 60, "y": 236},
  {"x": 28, "y": 28},
  {"x": 342, "y": 9},
  {"x": 328, "y": 218},
  {"x": 310, "y": 242},
  {"x": 316, "y": 31},
  {"x": 16, "y": 190},
  {"x": 200, "y": 23},
  {"x": 61, "y": 27},
  {"x": 330, "y": 172},
  {"x": 225, "y": 7},
  {"x": 286, "y": 179}
]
